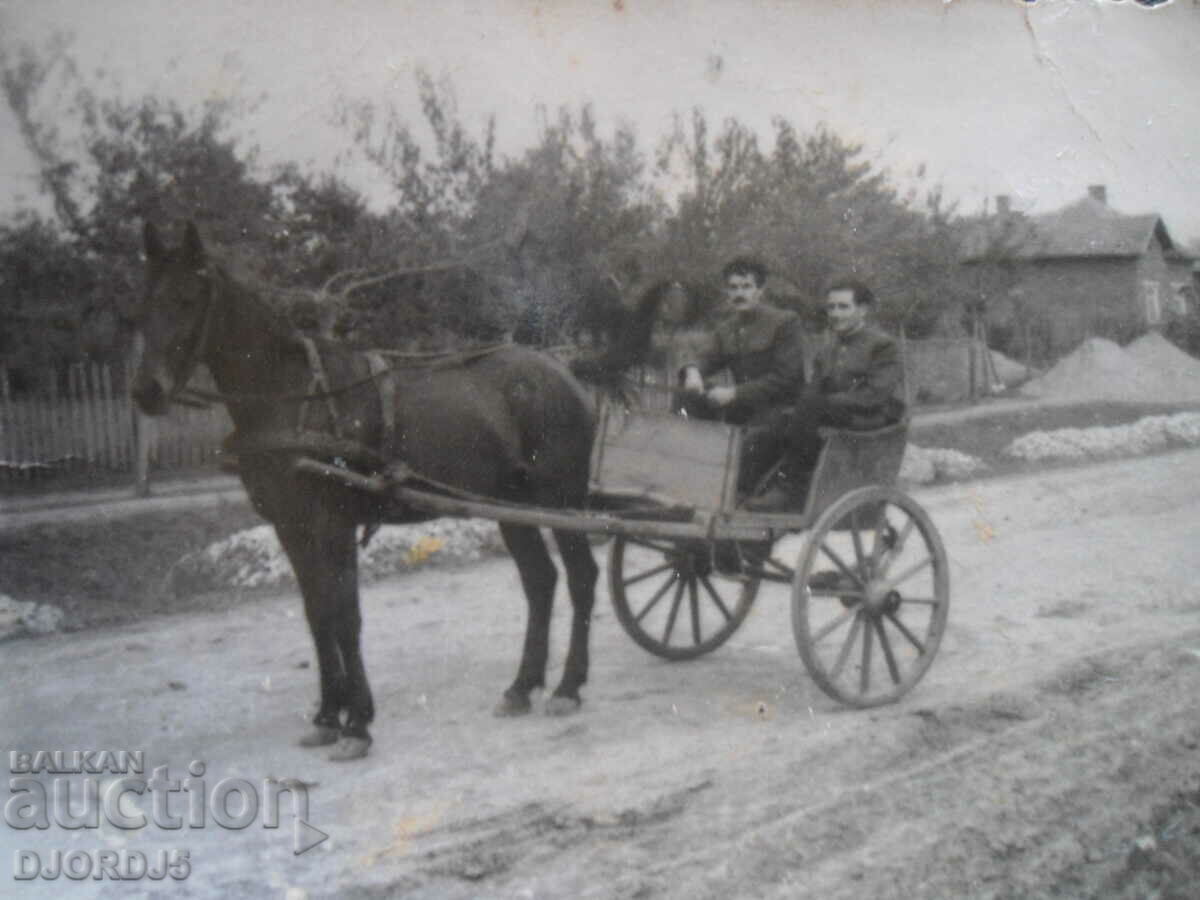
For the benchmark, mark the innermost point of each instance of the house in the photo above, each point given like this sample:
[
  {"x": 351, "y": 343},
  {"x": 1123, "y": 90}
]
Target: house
[{"x": 1049, "y": 281}]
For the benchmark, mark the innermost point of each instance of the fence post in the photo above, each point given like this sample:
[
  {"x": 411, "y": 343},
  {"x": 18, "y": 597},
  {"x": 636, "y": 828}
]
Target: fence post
[{"x": 141, "y": 428}]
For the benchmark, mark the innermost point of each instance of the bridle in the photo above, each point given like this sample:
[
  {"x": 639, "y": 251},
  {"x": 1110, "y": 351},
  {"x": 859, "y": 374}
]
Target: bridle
[
  {"x": 180, "y": 393},
  {"x": 319, "y": 389}
]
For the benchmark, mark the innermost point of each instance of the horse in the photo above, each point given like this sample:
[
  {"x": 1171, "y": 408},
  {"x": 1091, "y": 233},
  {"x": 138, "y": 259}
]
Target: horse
[{"x": 504, "y": 422}]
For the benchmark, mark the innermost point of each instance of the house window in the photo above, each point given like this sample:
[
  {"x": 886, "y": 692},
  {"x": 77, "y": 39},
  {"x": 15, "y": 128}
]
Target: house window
[
  {"x": 1151, "y": 302},
  {"x": 1184, "y": 295}
]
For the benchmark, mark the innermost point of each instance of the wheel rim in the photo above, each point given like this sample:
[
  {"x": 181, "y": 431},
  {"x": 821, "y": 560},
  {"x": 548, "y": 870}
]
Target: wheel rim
[
  {"x": 870, "y": 597},
  {"x": 670, "y": 599}
]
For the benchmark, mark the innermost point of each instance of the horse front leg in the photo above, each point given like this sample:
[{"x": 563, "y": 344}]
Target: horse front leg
[
  {"x": 325, "y": 559},
  {"x": 582, "y": 573},
  {"x": 538, "y": 578}
]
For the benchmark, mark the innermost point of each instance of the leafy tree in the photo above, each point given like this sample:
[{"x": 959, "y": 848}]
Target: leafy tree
[
  {"x": 41, "y": 272},
  {"x": 583, "y": 217},
  {"x": 544, "y": 239},
  {"x": 814, "y": 209},
  {"x": 111, "y": 164}
]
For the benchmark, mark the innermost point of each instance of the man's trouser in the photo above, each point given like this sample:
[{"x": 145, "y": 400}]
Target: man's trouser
[{"x": 789, "y": 437}]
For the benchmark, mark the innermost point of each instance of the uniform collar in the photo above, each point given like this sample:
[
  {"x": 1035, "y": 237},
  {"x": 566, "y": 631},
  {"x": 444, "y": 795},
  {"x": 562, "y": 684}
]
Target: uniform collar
[{"x": 851, "y": 337}]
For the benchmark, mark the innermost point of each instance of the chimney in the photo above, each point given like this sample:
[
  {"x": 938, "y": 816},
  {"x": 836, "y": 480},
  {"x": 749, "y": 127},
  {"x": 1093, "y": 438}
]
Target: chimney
[
  {"x": 1003, "y": 204},
  {"x": 1098, "y": 193}
]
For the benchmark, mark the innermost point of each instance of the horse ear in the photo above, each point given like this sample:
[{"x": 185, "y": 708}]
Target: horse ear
[
  {"x": 193, "y": 247},
  {"x": 152, "y": 243}
]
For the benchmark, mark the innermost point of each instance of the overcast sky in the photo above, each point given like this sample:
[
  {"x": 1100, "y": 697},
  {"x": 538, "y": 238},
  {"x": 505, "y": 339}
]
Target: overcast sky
[{"x": 993, "y": 96}]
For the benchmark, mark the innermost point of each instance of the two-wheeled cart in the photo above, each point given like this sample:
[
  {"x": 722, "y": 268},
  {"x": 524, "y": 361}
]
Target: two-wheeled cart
[{"x": 870, "y": 590}]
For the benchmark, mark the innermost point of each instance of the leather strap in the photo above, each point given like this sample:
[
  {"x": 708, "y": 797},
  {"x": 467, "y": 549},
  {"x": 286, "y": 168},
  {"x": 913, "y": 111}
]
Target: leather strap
[{"x": 384, "y": 376}]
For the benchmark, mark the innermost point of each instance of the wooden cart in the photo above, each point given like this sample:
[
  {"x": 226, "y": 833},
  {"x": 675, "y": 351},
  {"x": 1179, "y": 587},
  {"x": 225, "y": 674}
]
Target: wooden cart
[{"x": 870, "y": 590}]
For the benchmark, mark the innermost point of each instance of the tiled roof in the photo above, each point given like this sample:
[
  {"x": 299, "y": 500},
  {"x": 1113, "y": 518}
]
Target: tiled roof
[{"x": 1086, "y": 228}]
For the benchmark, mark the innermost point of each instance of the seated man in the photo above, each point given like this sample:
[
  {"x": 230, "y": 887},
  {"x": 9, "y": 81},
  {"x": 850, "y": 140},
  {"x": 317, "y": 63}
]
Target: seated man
[
  {"x": 762, "y": 347},
  {"x": 857, "y": 382}
]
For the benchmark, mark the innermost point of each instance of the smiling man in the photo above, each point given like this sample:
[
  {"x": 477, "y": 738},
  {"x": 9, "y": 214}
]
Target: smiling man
[{"x": 857, "y": 381}]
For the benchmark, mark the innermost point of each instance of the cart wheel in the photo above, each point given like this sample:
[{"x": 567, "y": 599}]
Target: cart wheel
[
  {"x": 870, "y": 597},
  {"x": 669, "y": 598}
]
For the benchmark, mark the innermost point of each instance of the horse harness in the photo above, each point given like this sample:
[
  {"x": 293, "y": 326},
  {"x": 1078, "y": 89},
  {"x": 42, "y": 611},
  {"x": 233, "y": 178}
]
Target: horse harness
[
  {"x": 383, "y": 367},
  {"x": 382, "y": 374}
]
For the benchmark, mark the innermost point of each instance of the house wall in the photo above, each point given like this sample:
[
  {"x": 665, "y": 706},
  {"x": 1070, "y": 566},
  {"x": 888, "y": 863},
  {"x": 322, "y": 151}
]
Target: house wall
[
  {"x": 1072, "y": 299},
  {"x": 1170, "y": 275}
]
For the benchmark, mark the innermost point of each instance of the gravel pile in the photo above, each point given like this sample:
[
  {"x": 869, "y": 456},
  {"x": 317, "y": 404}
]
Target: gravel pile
[
  {"x": 1109, "y": 441},
  {"x": 1177, "y": 373},
  {"x": 926, "y": 465},
  {"x": 254, "y": 559},
  {"x": 24, "y": 617},
  {"x": 1150, "y": 369}
]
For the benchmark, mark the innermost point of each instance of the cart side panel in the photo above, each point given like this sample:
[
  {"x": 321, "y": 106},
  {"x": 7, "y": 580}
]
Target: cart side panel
[
  {"x": 854, "y": 459},
  {"x": 665, "y": 458}
]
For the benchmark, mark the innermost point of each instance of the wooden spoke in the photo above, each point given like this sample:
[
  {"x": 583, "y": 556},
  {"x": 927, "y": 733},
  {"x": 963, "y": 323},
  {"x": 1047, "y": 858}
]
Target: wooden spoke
[
  {"x": 888, "y": 655},
  {"x": 658, "y": 595},
  {"x": 906, "y": 574},
  {"x": 904, "y": 630},
  {"x": 649, "y": 573},
  {"x": 833, "y": 625},
  {"x": 901, "y": 540},
  {"x": 716, "y": 598},
  {"x": 898, "y": 641},
  {"x": 837, "y": 561},
  {"x": 859, "y": 555},
  {"x": 694, "y": 602},
  {"x": 847, "y": 646},
  {"x": 881, "y": 522},
  {"x": 638, "y": 593},
  {"x": 675, "y": 603},
  {"x": 864, "y": 675},
  {"x": 780, "y": 567}
]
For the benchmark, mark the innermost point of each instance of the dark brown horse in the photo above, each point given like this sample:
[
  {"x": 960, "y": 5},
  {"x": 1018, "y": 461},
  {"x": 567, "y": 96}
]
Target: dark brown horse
[{"x": 507, "y": 423}]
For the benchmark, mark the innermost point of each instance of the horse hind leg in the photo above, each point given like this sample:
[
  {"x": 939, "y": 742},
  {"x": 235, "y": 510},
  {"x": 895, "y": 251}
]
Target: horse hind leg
[
  {"x": 538, "y": 578},
  {"x": 582, "y": 573}
]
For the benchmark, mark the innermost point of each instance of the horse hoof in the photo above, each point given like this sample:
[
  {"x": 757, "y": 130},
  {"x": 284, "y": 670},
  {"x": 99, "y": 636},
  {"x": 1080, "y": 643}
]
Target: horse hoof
[
  {"x": 563, "y": 706},
  {"x": 510, "y": 706},
  {"x": 349, "y": 748},
  {"x": 320, "y": 736}
]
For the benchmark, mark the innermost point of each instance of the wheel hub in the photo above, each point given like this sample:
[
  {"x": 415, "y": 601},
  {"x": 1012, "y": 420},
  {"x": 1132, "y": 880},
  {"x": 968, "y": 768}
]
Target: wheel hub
[
  {"x": 692, "y": 563},
  {"x": 880, "y": 599}
]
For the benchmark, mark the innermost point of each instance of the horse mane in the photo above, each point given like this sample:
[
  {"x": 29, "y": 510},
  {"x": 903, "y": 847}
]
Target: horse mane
[{"x": 275, "y": 304}]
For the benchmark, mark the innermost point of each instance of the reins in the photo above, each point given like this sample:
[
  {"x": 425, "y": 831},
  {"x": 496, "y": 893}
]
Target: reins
[
  {"x": 449, "y": 359},
  {"x": 319, "y": 388}
]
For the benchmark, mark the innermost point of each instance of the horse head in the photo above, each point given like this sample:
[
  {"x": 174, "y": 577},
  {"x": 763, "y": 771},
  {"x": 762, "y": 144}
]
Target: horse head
[{"x": 174, "y": 320}]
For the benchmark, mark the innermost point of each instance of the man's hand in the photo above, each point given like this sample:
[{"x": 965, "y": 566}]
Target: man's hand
[
  {"x": 692, "y": 382},
  {"x": 722, "y": 395}
]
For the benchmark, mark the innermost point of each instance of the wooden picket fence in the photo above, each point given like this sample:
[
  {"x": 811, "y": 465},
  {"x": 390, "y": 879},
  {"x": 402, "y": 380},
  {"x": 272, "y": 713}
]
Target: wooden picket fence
[{"x": 86, "y": 422}]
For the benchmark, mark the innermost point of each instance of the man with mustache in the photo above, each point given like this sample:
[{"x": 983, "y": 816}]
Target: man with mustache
[{"x": 762, "y": 347}]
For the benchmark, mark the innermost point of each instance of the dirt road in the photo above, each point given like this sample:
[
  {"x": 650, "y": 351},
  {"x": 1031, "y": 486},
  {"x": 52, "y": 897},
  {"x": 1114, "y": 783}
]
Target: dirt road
[{"x": 1059, "y": 712}]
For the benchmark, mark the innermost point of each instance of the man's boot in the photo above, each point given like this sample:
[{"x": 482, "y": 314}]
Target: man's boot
[{"x": 787, "y": 493}]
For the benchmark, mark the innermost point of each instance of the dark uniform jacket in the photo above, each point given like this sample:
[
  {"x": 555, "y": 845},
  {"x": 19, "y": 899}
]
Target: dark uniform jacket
[
  {"x": 860, "y": 379},
  {"x": 764, "y": 351}
]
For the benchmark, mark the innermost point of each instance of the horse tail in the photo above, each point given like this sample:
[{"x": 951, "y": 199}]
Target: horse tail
[{"x": 628, "y": 342}]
